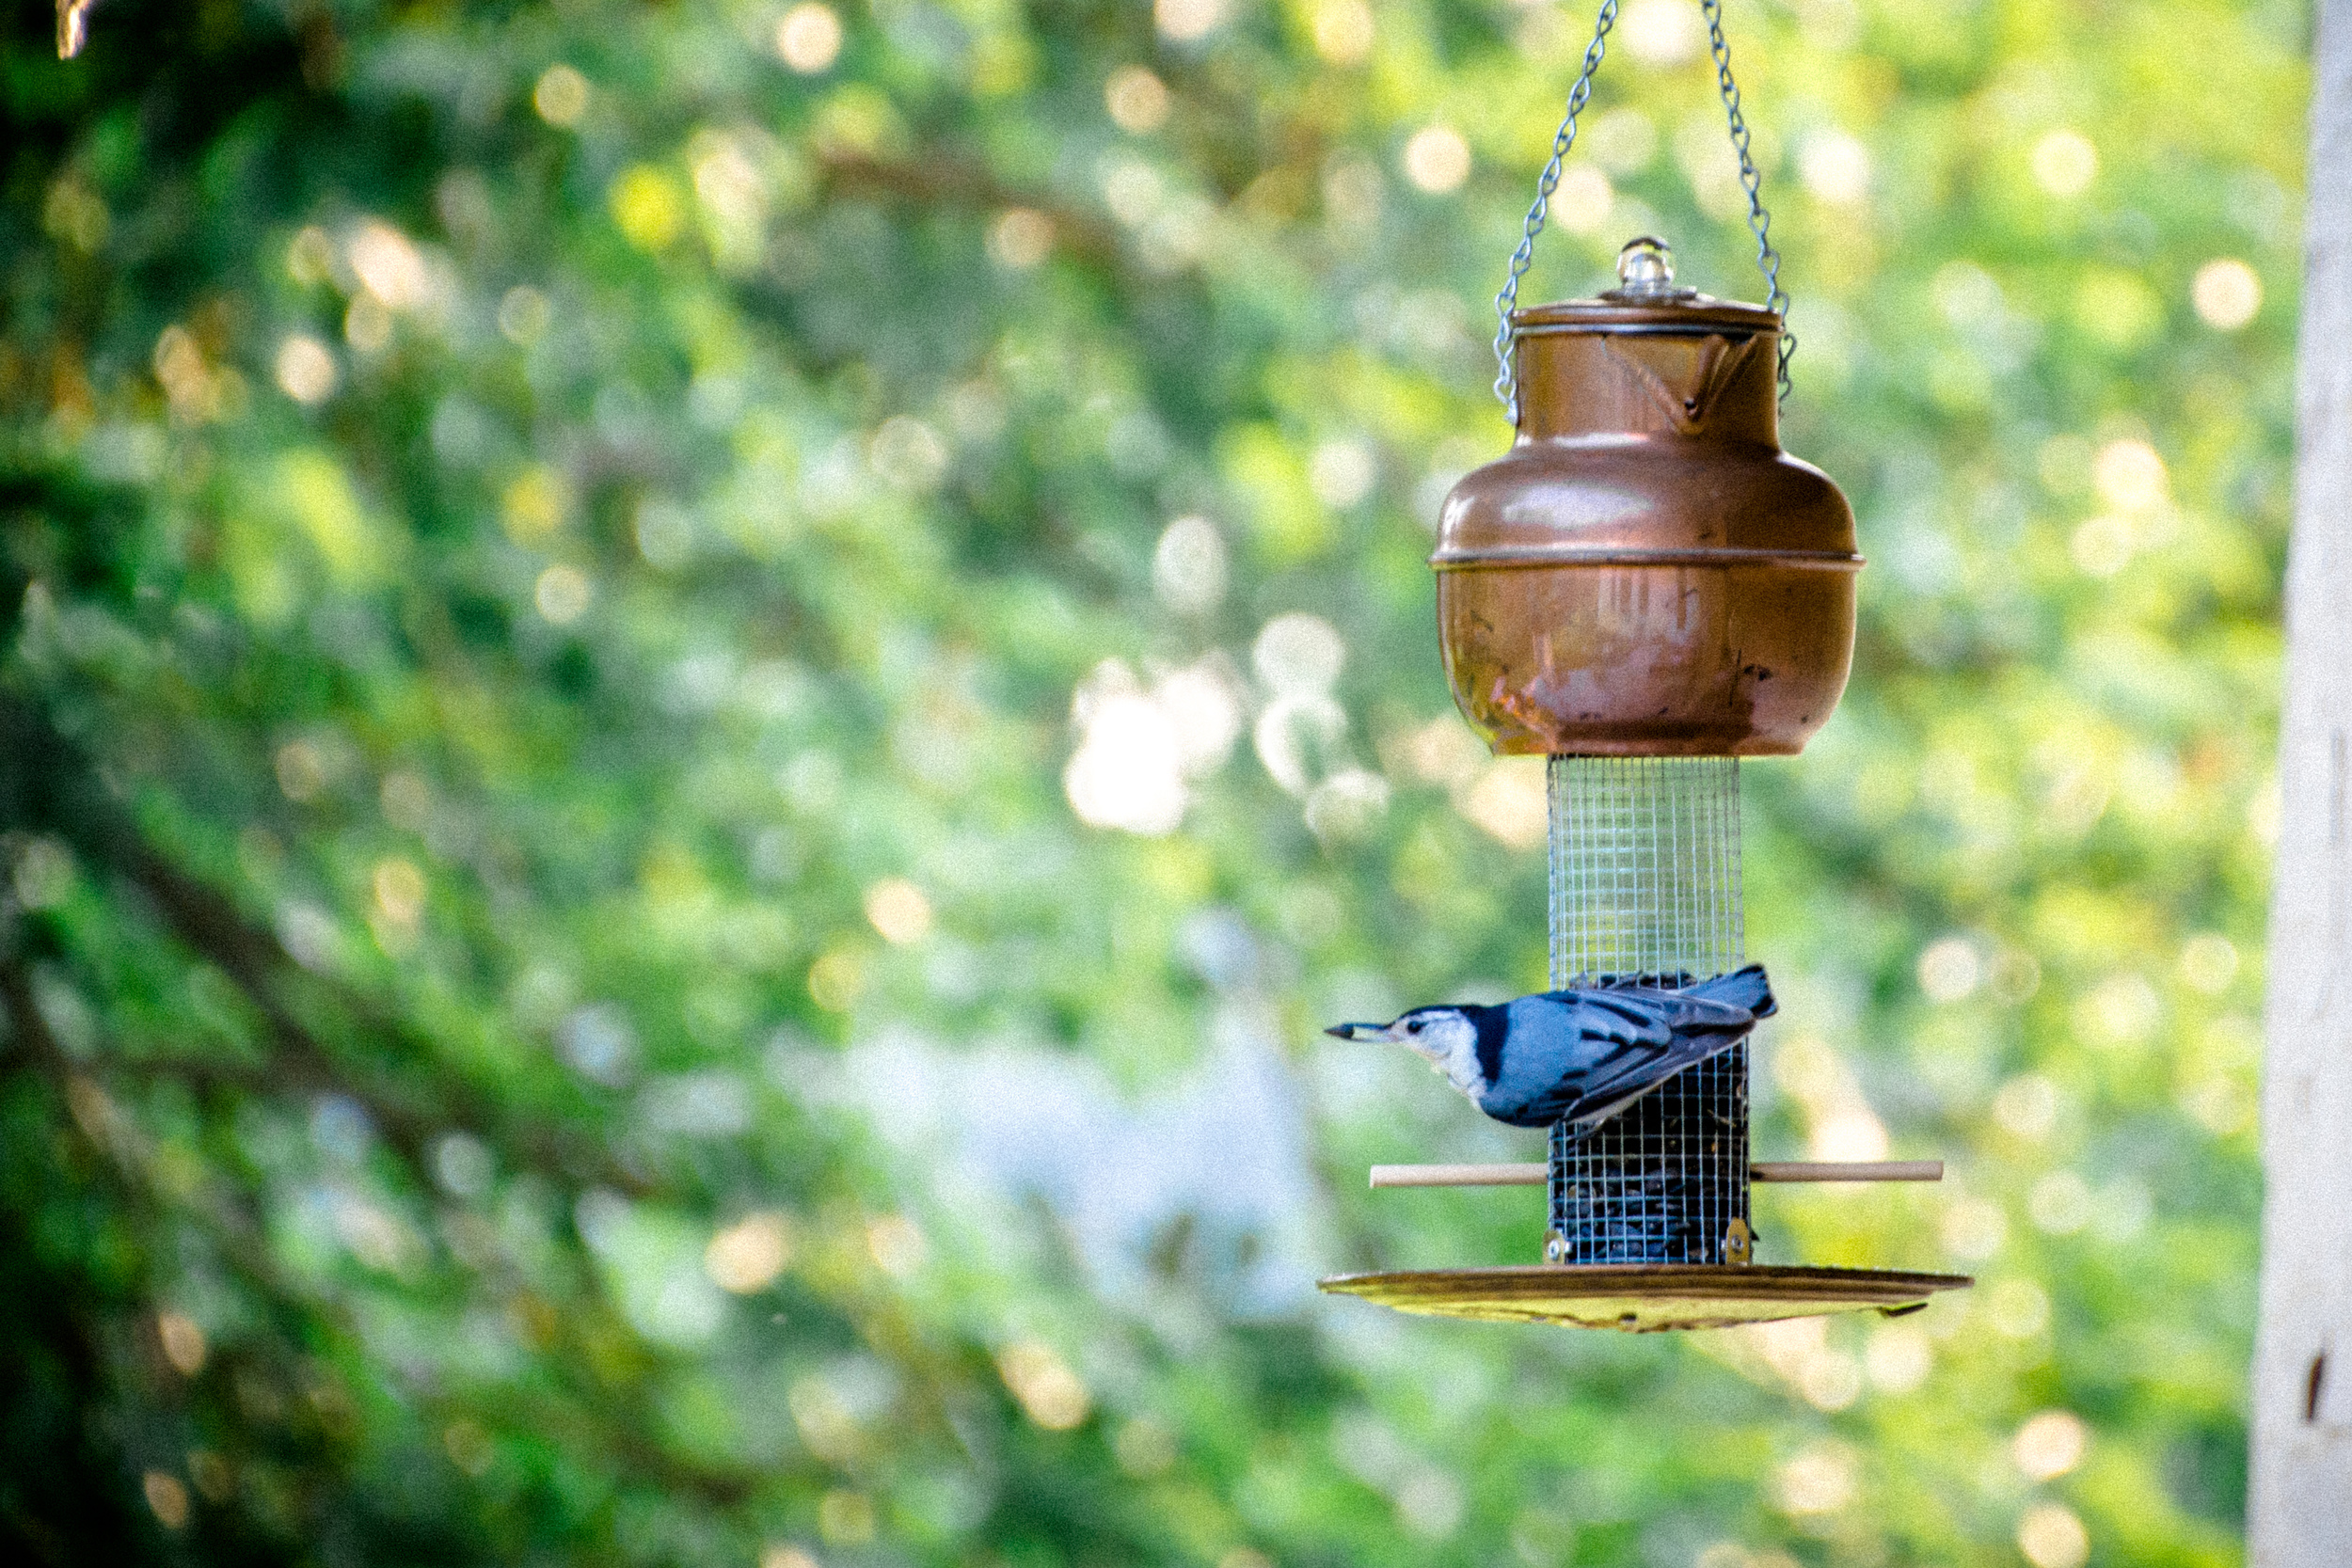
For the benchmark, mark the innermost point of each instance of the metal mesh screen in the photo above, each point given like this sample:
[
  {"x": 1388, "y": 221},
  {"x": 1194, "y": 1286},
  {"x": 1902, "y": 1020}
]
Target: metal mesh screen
[{"x": 1644, "y": 863}]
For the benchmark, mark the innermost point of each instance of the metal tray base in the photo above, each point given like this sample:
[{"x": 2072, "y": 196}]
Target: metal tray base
[{"x": 1645, "y": 1298}]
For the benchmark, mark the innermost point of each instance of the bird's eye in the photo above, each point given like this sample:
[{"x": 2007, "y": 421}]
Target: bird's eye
[{"x": 1414, "y": 1027}]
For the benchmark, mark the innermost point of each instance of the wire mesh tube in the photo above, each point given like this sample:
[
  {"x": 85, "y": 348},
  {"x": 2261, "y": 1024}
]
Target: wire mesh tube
[{"x": 1644, "y": 874}]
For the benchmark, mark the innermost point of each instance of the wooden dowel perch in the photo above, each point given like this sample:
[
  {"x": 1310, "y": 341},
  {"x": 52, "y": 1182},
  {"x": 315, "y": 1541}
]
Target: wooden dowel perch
[
  {"x": 1532, "y": 1174},
  {"x": 1458, "y": 1175},
  {"x": 1847, "y": 1170}
]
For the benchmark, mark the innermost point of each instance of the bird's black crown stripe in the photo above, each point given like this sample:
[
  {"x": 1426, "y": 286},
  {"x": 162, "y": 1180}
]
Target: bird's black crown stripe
[{"x": 1492, "y": 1024}]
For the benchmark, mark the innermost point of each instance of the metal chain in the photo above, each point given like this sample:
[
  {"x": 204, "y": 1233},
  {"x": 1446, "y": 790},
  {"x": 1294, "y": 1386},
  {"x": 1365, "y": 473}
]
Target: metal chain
[
  {"x": 1759, "y": 219},
  {"x": 1506, "y": 380}
]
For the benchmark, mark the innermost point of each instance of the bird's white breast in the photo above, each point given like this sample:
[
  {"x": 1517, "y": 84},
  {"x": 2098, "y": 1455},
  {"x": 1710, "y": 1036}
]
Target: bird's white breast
[{"x": 1452, "y": 1047}]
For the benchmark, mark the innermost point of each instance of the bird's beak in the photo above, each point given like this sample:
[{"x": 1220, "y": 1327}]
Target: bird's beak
[{"x": 1358, "y": 1031}]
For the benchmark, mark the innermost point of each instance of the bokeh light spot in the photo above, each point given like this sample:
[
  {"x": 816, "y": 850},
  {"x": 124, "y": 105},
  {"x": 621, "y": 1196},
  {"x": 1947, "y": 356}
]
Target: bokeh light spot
[
  {"x": 1342, "y": 473},
  {"x": 1661, "y": 34},
  {"x": 390, "y": 267},
  {"x": 748, "y": 1256},
  {"x": 1898, "y": 1356},
  {"x": 1138, "y": 101},
  {"x": 1821, "y": 1480},
  {"x": 898, "y": 911},
  {"x": 306, "y": 369},
  {"x": 1128, "y": 770},
  {"x": 838, "y": 979},
  {"x": 2065, "y": 162},
  {"x": 561, "y": 96},
  {"x": 808, "y": 39},
  {"x": 2226, "y": 293},
  {"x": 1950, "y": 970},
  {"x": 1188, "y": 566},
  {"x": 1436, "y": 159},
  {"x": 1507, "y": 802},
  {"x": 1021, "y": 238},
  {"x": 2130, "y": 475},
  {"x": 2209, "y": 963},
  {"x": 1185, "y": 21},
  {"x": 2049, "y": 1444},
  {"x": 1584, "y": 200},
  {"x": 897, "y": 1244},
  {"x": 647, "y": 207},
  {"x": 2051, "y": 1536},
  {"x": 1049, "y": 1392},
  {"x": 2027, "y": 1105},
  {"x": 1299, "y": 654},
  {"x": 1343, "y": 31},
  {"x": 184, "y": 1342},
  {"x": 167, "y": 1498},
  {"x": 534, "y": 504},
  {"x": 563, "y": 594},
  {"x": 1836, "y": 168}
]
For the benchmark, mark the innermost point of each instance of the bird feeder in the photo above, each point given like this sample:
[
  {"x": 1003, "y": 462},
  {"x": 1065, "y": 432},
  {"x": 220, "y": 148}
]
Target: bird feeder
[
  {"x": 1646, "y": 573},
  {"x": 1646, "y": 589}
]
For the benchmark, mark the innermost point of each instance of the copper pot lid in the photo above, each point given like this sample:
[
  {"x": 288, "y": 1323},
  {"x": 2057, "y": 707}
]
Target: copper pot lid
[{"x": 1646, "y": 299}]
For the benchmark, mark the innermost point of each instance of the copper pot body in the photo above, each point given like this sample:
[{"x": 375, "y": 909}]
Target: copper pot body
[{"x": 1646, "y": 573}]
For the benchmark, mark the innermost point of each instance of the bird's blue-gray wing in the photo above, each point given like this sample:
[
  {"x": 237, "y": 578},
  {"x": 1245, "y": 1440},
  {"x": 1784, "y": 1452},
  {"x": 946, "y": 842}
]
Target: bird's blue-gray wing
[
  {"x": 1561, "y": 1042},
  {"x": 1583, "y": 1056}
]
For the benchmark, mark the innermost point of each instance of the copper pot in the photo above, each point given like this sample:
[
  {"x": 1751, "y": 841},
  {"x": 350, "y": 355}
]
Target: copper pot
[{"x": 1646, "y": 573}]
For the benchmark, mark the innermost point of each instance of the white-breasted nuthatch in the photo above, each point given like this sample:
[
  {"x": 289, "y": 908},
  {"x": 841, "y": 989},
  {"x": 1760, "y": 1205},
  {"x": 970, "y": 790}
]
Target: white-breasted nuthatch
[{"x": 1582, "y": 1054}]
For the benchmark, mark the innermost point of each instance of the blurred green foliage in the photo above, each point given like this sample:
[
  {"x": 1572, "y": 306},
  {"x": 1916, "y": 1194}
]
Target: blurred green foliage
[{"x": 572, "y": 569}]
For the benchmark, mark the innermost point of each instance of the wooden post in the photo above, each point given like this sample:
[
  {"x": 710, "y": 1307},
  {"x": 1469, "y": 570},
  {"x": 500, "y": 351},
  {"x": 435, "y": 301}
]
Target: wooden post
[{"x": 2299, "y": 1509}]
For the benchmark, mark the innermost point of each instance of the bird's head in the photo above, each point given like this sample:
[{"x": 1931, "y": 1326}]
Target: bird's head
[{"x": 1445, "y": 1035}]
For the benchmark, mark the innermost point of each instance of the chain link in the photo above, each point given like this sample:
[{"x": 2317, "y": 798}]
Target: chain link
[
  {"x": 1759, "y": 218},
  {"x": 1506, "y": 379}
]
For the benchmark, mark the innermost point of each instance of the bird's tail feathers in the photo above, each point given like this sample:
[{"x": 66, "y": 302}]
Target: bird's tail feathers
[{"x": 1743, "y": 988}]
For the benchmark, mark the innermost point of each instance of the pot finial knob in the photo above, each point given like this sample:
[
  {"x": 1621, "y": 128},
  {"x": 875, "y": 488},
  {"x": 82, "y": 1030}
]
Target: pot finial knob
[{"x": 1645, "y": 266}]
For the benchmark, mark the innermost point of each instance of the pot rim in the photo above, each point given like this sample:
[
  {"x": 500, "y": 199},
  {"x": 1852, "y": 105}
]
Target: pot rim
[
  {"x": 1504, "y": 557},
  {"x": 1701, "y": 315}
]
